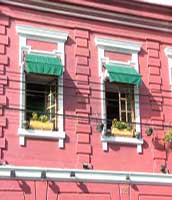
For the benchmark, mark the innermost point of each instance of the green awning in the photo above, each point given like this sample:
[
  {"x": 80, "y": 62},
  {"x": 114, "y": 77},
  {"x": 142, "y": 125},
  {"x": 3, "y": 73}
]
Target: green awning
[
  {"x": 43, "y": 65},
  {"x": 123, "y": 74}
]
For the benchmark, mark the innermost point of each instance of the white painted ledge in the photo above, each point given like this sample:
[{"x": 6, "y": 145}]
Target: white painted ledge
[
  {"x": 40, "y": 134},
  {"x": 79, "y": 175},
  {"x": 122, "y": 140}
]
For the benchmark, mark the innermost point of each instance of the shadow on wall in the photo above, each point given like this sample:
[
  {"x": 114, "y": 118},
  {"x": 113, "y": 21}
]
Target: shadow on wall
[
  {"x": 54, "y": 187},
  {"x": 150, "y": 106},
  {"x": 83, "y": 187},
  {"x": 25, "y": 187}
]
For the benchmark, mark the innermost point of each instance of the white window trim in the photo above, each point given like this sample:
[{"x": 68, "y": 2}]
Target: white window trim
[
  {"x": 168, "y": 53},
  {"x": 41, "y": 34},
  {"x": 131, "y": 48}
]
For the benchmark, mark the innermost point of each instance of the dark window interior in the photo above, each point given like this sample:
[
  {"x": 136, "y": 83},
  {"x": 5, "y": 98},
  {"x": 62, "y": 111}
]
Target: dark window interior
[
  {"x": 119, "y": 102},
  {"x": 112, "y": 108},
  {"x": 39, "y": 88}
]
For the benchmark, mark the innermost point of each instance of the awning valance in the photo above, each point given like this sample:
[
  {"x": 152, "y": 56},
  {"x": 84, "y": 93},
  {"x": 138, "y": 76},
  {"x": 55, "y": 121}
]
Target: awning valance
[
  {"x": 123, "y": 74},
  {"x": 46, "y": 65}
]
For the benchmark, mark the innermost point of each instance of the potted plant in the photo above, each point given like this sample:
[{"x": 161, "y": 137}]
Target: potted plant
[
  {"x": 121, "y": 128},
  {"x": 40, "y": 122},
  {"x": 168, "y": 137},
  {"x": 99, "y": 127}
]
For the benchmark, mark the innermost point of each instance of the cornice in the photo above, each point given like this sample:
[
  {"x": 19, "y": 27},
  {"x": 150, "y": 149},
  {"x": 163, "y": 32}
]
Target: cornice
[
  {"x": 94, "y": 14},
  {"x": 79, "y": 175}
]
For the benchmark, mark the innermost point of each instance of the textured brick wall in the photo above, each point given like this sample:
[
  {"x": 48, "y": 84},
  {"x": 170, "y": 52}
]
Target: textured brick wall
[
  {"x": 156, "y": 102},
  {"x": 83, "y": 109},
  {"x": 4, "y": 61}
]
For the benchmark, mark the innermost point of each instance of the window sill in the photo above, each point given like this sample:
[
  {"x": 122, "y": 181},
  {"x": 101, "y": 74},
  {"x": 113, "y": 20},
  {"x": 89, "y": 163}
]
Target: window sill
[
  {"x": 122, "y": 140},
  {"x": 40, "y": 134}
]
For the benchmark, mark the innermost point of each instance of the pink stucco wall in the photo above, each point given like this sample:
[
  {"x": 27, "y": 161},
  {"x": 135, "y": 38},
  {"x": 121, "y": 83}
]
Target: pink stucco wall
[{"x": 82, "y": 98}]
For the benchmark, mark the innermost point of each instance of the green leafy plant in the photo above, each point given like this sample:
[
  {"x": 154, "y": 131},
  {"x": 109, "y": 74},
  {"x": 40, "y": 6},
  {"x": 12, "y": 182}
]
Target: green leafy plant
[
  {"x": 43, "y": 118},
  {"x": 34, "y": 116},
  {"x": 168, "y": 136},
  {"x": 121, "y": 124}
]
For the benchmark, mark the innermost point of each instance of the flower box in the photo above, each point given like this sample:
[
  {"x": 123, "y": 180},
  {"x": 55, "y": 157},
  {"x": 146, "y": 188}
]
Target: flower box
[
  {"x": 36, "y": 124},
  {"x": 122, "y": 132}
]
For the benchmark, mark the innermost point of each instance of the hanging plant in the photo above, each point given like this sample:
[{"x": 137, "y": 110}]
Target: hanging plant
[{"x": 168, "y": 137}]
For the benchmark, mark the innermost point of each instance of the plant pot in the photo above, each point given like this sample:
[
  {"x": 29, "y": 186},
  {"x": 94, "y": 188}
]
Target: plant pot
[
  {"x": 122, "y": 132},
  {"x": 99, "y": 127},
  {"x": 35, "y": 124}
]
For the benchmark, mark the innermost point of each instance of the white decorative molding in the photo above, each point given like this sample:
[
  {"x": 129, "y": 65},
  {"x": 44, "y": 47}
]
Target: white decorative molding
[
  {"x": 168, "y": 53},
  {"x": 133, "y": 49},
  {"x": 122, "y": 140},
  {"x": 52, "y": 135},
  {"x": 53, "y": 53},
  {"x": 44, "y": 34},
  {"x": 11, "y": 172},
  {"x": 41, "y": 34},
  {"x": 117, "y": 45}
]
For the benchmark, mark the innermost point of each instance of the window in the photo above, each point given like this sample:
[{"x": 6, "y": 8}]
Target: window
[
  {"x": 41, "y": 86},
  {"x": 119, "y": 103},
  {"x": 41, "y": 78},
  {"x": 119, "y": 92},
  {"x": 41, "y": 101},
  {"x": 119, "y": 95},
  {"x": 168, "y": 52}
]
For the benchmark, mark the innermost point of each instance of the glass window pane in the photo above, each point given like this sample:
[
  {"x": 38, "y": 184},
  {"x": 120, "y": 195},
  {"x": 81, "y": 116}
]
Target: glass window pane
[
  {"x": 35, "y": 99},
  {"x": 129, "y": 106},
  {"x": 48, "y": 103},
  {"x": 129, "y": 117},
  {"x": 52, "y": 112},
  {"x": 53, "y": 98},
  {"x": 123, "y": 116},
  {"x": 123, "y": 105}
]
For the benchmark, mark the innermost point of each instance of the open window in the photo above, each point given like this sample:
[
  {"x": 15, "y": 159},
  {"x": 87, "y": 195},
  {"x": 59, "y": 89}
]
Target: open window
[
  {"x": 41, "y": 102},
  {"x": 41, "y": 89},
  {"x": 118, "y": 70},
  {"x": 119, "y": 99},
  {"x": 120, "y": 105},
  {"x": 41, "y": 83},
  {"x": 120, "y": 109}
]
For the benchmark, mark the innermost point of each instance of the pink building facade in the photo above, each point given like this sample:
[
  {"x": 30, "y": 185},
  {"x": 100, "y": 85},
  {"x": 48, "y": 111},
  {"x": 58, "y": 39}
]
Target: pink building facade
[{"x": 85, "y": 100}]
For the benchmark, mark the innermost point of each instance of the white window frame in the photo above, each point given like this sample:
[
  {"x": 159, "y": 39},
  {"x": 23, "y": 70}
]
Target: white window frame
[
  {"x": 133, "y": 49},
  {"x": 41, "y": 34},
  {"x": 168, "y": 53}
]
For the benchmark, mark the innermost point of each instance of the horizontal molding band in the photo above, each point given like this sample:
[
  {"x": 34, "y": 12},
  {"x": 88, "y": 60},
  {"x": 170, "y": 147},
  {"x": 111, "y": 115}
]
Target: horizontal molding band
[
  {"x": 76, "y": 175},
  {"x": 99, "y": 16}
]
